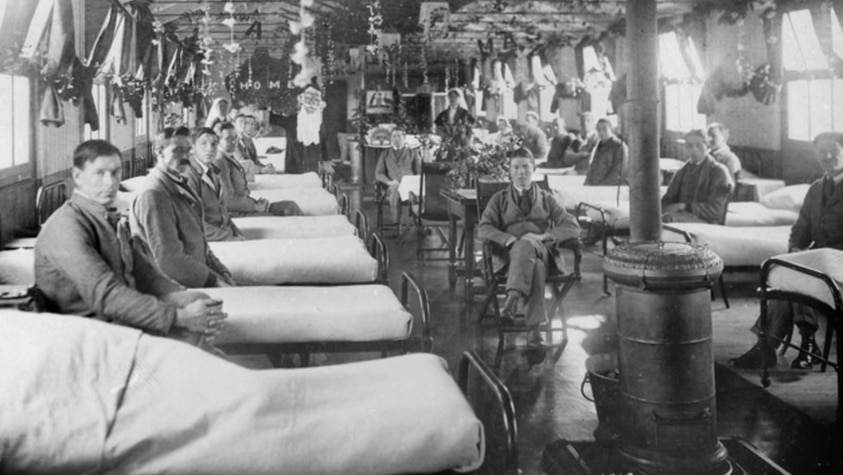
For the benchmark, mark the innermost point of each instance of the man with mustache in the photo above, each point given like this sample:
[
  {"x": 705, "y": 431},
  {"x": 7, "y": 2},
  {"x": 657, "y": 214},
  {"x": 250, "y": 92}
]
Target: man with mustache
[{"x": 169, "y": 217}]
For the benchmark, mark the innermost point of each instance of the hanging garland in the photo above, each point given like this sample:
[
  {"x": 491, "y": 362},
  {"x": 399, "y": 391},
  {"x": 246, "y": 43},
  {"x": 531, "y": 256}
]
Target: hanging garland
[
  {"x": 301, "y": 51},
  {"x": 375, "y": 25}
]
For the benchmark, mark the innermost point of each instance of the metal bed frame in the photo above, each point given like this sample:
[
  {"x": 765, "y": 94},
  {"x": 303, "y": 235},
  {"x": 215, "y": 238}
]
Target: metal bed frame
[
  {"x": 834, "y": 315},
  {"x": 423, "y": 342}
]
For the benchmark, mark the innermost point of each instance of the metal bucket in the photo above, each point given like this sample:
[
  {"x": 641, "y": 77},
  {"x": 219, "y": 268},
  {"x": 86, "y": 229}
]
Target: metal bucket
[{"x": 600, "y": 369}]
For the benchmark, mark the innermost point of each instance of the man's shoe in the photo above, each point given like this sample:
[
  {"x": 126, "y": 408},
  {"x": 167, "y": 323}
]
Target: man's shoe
[
  {"x": 806, "y": 360},
  {"x": 752, "y": 358},
  {"x": 534, "y": 339}
]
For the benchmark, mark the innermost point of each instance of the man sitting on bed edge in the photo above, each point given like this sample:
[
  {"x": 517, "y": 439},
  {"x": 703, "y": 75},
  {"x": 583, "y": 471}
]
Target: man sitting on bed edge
[
  {"x": 820, "y": 224},
  {"x": 87, "y": 263}
]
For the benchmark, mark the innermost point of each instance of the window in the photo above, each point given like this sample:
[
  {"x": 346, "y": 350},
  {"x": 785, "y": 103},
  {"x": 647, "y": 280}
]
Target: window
[
  {"x": 814, "y": 93},
  {"x": 100, "y": 93},
  {"x": 140, "y": 122},
  {"x": 15, "y": 125},
  {"x": 682, "y": 83}
]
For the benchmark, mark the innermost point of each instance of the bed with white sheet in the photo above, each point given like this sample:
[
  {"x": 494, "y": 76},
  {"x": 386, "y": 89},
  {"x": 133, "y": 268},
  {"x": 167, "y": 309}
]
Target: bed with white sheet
[
  {"x": 286, "y": 180},
  {"x": 313, "y": 201},
  {"x": 297, "y": 227},
  {"x": 84, "y": 396},
  {"x": 813, "y": 277},
  {"x": 323, "y": 260},
  {"x": 17, "y": 266},
  {"x": 744, "y": 247},
  {"x": 302, "y": 319}
]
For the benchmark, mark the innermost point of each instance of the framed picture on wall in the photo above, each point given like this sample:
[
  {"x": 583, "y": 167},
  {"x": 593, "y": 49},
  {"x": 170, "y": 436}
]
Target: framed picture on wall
[{"x": 379, "y": 102}]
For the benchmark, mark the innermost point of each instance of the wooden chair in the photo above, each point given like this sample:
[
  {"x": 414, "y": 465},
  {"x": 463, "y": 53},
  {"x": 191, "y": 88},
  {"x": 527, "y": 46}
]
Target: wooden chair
[
  {"x": 432, "y": 211},
  {"x": 560, "y": 284},
  {"x": 380, "y": 201},
  {"x": 48, "y": 199}
]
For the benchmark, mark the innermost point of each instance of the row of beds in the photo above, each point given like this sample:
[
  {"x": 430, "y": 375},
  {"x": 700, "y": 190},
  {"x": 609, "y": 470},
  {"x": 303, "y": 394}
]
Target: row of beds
[
  {"x": 315, "y": 283},
  {"x": 753, "y": 238}
]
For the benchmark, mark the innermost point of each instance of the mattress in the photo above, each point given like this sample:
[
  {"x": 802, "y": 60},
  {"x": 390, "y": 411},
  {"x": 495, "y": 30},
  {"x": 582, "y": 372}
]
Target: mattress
[
  {"x": 83, "y": 396},
  {"x": 313, "y": 201},
  {"x": 751, "y": 213},
  {"x": 328, "y": 260},
  {"x": 746, "y": 246},
  {"x": 17, "y": 267},
  {"x": 311, "y": 314},
  {"x": 280, "y": 181},
  {"x": 826, "y": 260},
  {"x": 295, "y": 227}
]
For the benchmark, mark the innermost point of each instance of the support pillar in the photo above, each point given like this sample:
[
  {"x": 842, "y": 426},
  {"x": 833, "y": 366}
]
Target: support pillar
[{"x": 642, "y": 108}]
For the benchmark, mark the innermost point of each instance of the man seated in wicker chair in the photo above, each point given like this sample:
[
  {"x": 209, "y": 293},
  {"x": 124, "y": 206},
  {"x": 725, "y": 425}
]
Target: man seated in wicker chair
[{"x": 527, "y": 226}]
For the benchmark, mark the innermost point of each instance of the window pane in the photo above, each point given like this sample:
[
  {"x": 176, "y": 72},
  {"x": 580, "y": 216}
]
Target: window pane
[
  {"x": 791, "y": 56},
  {"x": 806, "y": 36},
  {"x": 695, "y": 58},
  {"x": 20, "y": 108},
  {"x": 798, "y": 114},
  {"x": 837, "y": 110},
  {"x": 836, "y": 35},
  {"x": 589, "y": 60},
  {"x": 672, "y": 64},
  {"x": 545, "y": 101},
  {"x": 820, "y": 90},
  {"x": 671, "y": 107},
  {"x": 6, "y": 126}
]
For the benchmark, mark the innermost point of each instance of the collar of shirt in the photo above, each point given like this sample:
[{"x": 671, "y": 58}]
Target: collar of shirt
[
  {"x": 836, "y": 178},
  {"x": 87, "y": 202},
  {"x": 173, "y": 176},
  {"x": 521, "y": 191}
]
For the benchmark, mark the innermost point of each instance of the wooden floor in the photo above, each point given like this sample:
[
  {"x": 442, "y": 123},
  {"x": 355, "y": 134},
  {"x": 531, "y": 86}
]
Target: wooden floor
[{"x": 790, "y": 422}]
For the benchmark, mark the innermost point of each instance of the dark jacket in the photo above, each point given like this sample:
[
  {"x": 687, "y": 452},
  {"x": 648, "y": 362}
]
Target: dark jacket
[
  {"x": 503, "y": 219},
  {"x": 80, "y": 269},
  {"x": 218, "y": 225},
  {"x": 711, "y": 196},
  {"x": 168, "y": 218},
  {"x": 462, "y": 117},
  {"x": 820, "y": 223},
  {"x": 394, "y": 164},
  {"x": 610, "y": 164},
  {"x": 235, "y": 187}
]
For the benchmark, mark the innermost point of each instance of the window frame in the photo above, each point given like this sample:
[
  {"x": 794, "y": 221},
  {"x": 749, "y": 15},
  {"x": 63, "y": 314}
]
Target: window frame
[
  {"x": 24, "y": 171},
  {"x": 669, "y": 109}
]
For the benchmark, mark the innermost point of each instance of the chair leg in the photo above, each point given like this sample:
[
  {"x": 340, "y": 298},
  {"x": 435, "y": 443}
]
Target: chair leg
[
  {"x": 829, "y": 333},
  {"x": 722, "y": 285},
  {"x": 786, "y": 340}
]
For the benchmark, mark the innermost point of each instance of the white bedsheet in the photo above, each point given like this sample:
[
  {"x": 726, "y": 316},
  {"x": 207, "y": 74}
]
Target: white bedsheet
[
  {"x": 746, "y": 246},
  {"x": 83, "y": 396},
  {"x": 826, "y": 260},
  {"x": 295, "y": 227},
  {"x": 306, "y": 314},
  {"x": 280, "y": 181},
  {"x": 331, "y": 260},
  {"x": 313, "y": 201},
  {"x": 17, "y": 267},
  {"x": 751, "y": 213}
]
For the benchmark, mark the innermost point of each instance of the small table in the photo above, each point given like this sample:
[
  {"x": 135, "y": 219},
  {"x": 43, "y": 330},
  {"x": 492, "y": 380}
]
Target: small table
[{"x": 462, "y": 205}]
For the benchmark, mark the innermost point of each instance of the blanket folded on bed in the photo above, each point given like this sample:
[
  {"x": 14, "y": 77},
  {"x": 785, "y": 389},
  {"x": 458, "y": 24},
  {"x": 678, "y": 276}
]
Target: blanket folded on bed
[
  {"x": 752, "y": 213},
  {"x": 295, "y": 227},
  {"x": 292, "y": 180},
  {"x": 306, "y": 314},
  {"x": 826, "y": 260},
  {"x": 83, "y": 396},
  {"x": 313, "y": 201},
  {"x": 331, "y": 260},
  {"x": 742, "y": 246}
]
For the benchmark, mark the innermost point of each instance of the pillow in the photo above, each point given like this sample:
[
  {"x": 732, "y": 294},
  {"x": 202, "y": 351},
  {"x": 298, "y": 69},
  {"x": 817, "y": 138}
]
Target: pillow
[
  {"x": 789, "y": 197},
  {"x": 133, "y": 184},
  {"x": 17, "y": 267}
]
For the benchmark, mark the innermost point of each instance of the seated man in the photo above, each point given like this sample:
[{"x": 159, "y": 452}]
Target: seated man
[
  {"x": 167, "y": 216},
  {"x": 204, "y": 181},
  {"x": 246, "y": 152},
  {"x": 235, "y": 186},
  {"x": 527, "y": 225},
  {"x": 534, "y": 138},
  {"x": 820, "y": 224},
  {"x": 558, "y": 155},
  {"x": 610, "y": 161},
  {"x": 718, "y": 135},
  {"x": 393, "y": 164},
  {"x": 580, "y": 151},
  {"x": 87, "y": 263},
  {"x": 699, "y": 191}
]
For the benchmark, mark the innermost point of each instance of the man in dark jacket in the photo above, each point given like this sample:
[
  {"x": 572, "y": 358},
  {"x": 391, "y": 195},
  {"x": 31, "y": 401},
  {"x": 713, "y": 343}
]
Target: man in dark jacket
[
  {"x": 88, "y": 264},
  {"x": 610, "y": 161},
  {"x": 820, "y": 224},
  {"x": 700, "y": 190},
  {"x": 528, "y": 227}
]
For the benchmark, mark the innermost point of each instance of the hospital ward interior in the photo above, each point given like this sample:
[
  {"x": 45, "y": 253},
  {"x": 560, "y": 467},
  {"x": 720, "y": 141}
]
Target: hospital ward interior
[{"x": 587, "y": 237}]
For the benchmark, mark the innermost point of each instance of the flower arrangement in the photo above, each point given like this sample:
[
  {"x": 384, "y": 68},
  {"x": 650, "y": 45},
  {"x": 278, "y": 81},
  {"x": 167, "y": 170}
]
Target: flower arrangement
[{"x": 482, "y": 160}]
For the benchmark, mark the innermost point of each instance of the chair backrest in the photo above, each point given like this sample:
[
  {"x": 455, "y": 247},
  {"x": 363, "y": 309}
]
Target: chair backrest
[
  {"x": 49, "y": 198},
  {"x": 432, "y": 205},
  {"x": 485, "y": 190}
]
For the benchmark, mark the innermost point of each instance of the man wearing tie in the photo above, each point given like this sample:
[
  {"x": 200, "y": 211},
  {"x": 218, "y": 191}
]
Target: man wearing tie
[
  {"x": 88, "y": 264},
  {"x": 527, "y": 226},
  {"x": 820, "y": 224},
  {"x": 203, "y": 178}
]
